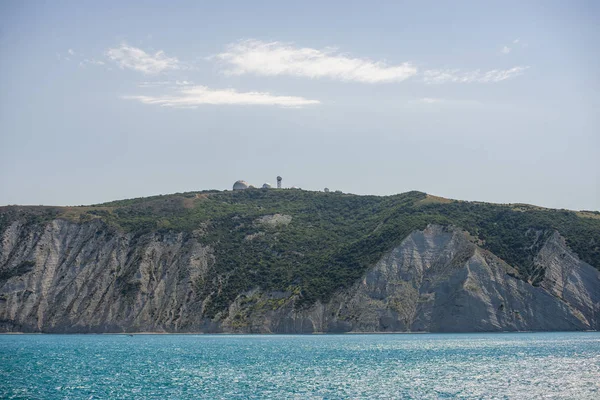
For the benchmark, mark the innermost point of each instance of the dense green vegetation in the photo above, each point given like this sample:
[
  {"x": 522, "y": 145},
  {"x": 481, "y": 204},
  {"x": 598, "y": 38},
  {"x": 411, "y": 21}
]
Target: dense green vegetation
[{"x": 332, "y": 238}]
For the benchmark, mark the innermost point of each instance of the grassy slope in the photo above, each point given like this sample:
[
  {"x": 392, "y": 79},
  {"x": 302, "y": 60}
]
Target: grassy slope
[{"x": 332, "y": 238}]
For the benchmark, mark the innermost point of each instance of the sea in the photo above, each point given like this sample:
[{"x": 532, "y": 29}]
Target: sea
[{"x": 351, "y": 366}]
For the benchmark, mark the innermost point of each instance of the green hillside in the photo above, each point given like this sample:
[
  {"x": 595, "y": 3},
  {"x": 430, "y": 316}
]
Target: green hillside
[{"x": 332, "y": 238}]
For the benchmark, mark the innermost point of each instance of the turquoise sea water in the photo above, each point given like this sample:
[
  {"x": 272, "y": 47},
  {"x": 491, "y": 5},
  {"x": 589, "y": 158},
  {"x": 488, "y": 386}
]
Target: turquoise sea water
[{"x": 420, "y": 366}]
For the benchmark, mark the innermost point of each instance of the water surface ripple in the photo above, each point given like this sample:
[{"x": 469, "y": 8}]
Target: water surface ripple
[{"x": 420, "y": 366}]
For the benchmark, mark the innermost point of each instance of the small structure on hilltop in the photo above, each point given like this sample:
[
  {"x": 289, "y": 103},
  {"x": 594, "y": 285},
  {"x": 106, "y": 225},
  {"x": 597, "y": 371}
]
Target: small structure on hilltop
[
  {"x": 326, "y": 190},
  {"x": 243, "y": 185},
  {"x": 240, "y": 185}
]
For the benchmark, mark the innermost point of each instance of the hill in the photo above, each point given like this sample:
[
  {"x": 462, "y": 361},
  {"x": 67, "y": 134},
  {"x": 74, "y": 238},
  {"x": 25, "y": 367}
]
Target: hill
[{"x": 273, "y": 248}]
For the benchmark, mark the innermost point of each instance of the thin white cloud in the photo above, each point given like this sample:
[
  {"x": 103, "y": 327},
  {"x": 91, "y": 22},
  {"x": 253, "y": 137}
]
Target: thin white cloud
[
  {"x": 435, "y": 103},
  {"x": 520, "y": 42},
  {"x": 90, "y": 61},
  {"x": 71, "y": 52},
  {"x": 477, "y": 76},
  {"x": 516, "y": 44},
  {"x": 192, "y": 97},
  {"x": 172, "y": 84},
  {"x": 150, "y": 84},
  {"x": 427, "y": 100},
  {"x": 277, "y": 58},
  {"x": 138, "y": 60}
]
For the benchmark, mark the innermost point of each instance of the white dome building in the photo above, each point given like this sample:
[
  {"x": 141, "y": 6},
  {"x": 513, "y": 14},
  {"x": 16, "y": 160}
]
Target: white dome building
[
  {"x": 241, "y": 185},
  {"x": 267, "y": 185}
]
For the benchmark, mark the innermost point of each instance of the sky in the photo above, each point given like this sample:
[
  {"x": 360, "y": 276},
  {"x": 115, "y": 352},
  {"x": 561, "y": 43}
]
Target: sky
[{"x": 491, "y": 101}]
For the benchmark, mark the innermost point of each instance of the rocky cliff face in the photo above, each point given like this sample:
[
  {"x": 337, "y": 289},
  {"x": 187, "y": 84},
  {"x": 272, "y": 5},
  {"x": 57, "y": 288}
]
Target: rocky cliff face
[
  {"x": 68, "y": 277},
  {"x": 88, "y": 277},
  {"x": 439, "y": 280}
]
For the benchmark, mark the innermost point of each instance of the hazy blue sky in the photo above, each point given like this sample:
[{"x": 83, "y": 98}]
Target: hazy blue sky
[{"x": 474, "y": 100}]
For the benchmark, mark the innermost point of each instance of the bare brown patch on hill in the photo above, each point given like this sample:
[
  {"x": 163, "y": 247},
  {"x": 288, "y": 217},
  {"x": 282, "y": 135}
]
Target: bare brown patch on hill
[
  {"x": 431, "y": 199},
  {"x": 588, "y": 214},
  {"x": 75, "y": 213}
]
